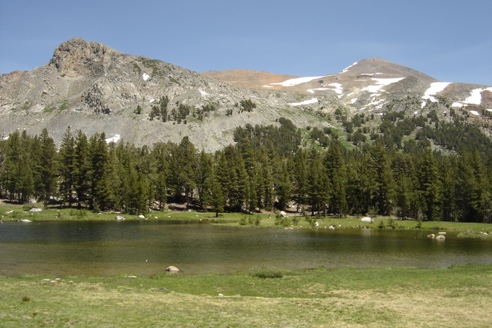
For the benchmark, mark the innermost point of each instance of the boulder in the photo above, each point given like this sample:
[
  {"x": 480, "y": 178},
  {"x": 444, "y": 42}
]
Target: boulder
[
  {"x": 440, "y": 237},
  {"x": 172, "y": 269},
  {"x": 283, "y": 214},
  {"x": 119, "y": 218},
  {"x": 367, "y": 219},
  {"x": 431, "y": 236}
]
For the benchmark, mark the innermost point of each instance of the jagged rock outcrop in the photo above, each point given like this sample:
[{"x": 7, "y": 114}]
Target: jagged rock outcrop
[{"x": 78, "y": 57}]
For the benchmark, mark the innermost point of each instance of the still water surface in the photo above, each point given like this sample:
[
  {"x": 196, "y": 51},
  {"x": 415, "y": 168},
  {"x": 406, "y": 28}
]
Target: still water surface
[{"x": 148, "y": 247}]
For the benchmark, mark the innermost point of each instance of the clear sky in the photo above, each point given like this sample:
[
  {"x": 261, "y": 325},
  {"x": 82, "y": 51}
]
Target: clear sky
[{"x": 450, "y": 40}]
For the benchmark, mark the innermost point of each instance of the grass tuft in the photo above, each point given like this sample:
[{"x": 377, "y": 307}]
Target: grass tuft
[{"x": 264, "y": 273}]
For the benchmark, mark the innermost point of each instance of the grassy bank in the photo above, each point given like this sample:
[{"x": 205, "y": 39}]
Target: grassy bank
[{"x": 382, "y": 297}]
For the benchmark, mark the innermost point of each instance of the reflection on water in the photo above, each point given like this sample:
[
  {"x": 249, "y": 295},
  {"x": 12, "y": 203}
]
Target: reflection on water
[{"x": 148, "y": 247}]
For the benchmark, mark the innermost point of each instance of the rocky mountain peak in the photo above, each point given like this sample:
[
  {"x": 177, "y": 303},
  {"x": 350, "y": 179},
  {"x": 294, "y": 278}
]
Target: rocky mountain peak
[{"x": 78, "y": 57}]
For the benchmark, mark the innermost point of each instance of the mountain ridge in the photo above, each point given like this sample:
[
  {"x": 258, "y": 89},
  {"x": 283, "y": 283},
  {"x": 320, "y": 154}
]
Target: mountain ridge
[{"x": 92, "y": 87}]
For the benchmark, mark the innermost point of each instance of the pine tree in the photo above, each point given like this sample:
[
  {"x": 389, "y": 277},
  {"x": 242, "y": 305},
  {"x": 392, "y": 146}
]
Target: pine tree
[
  {"x": 407, "y": 203},
  {"x": 212, "y": 192},
  {"x": 46, "y": 167},
  {"x": 100, "y": 187},
  {"x": 430, "y": 187},
  {"x": 361, "y": 183},
  {"x": 82, "y": 169},
  {"x": 335, "y": 167},
  {"x": 385, "y": 187},
  {"x": 160, "y": 189},
  {"x": 66, "y": 167},
  {"x": 283, "y": 185},
  {"x": 299, "y": 173},
  {"x": 318, "y": 183},
  {"x": 182, "y": 170},
  {"x": 10, "y": 170},
  {"x": 267, "y": 191},
  {"x": 203, "y": 171},
  {"x": 447, "y": 167},
  {"x": 161, "y": 164}
]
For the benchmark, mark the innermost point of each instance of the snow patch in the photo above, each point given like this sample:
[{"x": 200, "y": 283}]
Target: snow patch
[
  {"x": 203, "y": 93},
  {"x": 434, "y": 89},
  {"x": 380, "y": 83},
  {"x": 305, "y": 102},
  {"x": 474, "y": 112},
  {"x": 475, "y": 97},
  {"x": 345, "y": 70},
  {"x": 317, "y": 89},
  {"x": 489, "y": 109},
  {"x": 114, "y": 139},
  {"x": 338, "y": 87},
  {"x": 296, "y": 81},
  {"x": 145, "y": 76},
  {"x": 376, "y": 104}
]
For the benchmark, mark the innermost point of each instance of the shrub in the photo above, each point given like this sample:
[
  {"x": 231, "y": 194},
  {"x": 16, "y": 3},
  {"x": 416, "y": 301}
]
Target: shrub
[
  {"x": 295, "y": 220},
  {"x": 27, "y": 207},
  {"x": 251, "y": 220},
  {"x": 243, "y": 220},
  {"x": 278, "y": 219},
  {"x": 257, "y": 220},
  {"x": 79, "y": 213}
]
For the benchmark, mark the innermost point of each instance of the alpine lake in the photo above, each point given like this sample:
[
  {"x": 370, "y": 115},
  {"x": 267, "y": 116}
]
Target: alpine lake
[{"x": 147, "y": 247}]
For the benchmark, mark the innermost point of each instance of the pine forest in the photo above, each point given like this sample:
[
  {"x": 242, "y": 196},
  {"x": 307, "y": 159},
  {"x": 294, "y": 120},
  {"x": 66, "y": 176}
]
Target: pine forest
[{"x": 272, "y": 168}]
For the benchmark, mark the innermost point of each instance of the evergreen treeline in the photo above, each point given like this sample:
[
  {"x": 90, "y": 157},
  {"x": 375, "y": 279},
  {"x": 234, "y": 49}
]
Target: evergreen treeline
[{"x": 265, "y": 169}]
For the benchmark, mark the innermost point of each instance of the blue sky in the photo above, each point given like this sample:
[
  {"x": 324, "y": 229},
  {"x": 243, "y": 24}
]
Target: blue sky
[{"x": 450, "y": 40}]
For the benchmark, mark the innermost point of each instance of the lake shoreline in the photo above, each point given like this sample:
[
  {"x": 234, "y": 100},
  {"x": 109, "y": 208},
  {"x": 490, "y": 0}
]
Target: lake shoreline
[{"x": 15, "y": 213}]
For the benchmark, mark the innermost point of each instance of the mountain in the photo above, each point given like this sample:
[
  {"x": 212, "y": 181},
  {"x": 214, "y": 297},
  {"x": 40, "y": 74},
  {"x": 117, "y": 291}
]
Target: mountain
[
  {"x": 89, "y": 86},
  {"x": 366, "y": 84}
]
